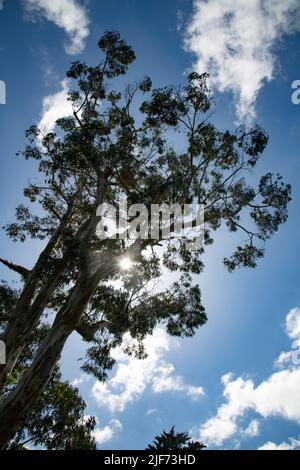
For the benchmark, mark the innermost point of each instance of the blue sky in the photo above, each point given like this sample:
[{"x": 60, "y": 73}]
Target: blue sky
[{"x": 253, "y": 315}]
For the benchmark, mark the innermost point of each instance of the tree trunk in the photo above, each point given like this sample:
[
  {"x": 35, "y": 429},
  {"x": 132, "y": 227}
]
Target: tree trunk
[
  {"x": 25, "y": 316},
  {"x": 20, "y": 402},
  {"x": 23, "y": 322}
]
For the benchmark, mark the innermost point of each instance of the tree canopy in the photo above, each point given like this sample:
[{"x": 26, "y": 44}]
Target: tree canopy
[
  {"x": 175, "y": 441},
  {"x": 125, "y": 143}
]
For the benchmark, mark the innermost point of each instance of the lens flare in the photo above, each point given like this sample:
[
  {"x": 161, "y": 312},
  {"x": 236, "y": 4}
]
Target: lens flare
[{"x": 126, "y": 263}]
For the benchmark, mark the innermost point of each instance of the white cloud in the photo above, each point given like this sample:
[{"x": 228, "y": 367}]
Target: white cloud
[
  {"x": 283, "y": 358},
  {"x": 133, "y": 376},
  {"x": 109, "y": 431},
  {"x": 69, "y": 15},
  {"x": 54, "y": 107},
  {"x": 234, "y": 41},
  {"x": 292, "y": 329},
  {"x": 253, "y": 429},
  {"x": 293, "y": 444},
  {"x": 1, "y": 4},
  {"x": 80, "y": 380},
  {"x": 278, "y": 395},
  {"x": 175, "y": 383},
  {"x": 151, "y": 411},
  {"x": 293, "y": 323}
]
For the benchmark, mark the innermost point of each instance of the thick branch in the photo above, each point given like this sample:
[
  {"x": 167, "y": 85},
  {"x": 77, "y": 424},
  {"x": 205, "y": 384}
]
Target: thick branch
[
  {"x": 87, "y": 332},
  {"x": 16, "y": 267}
]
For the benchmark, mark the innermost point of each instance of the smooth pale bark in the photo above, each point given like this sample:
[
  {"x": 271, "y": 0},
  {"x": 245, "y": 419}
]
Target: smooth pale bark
[
  {"x": 28, "y": 309},
  {"x": 95, "y": 268},
  {"x": 15, "y": 408},
  {"x": 26, "y": 314},
  {"x": 23, "y": 325},
  {"x": 19, "y": 403}
]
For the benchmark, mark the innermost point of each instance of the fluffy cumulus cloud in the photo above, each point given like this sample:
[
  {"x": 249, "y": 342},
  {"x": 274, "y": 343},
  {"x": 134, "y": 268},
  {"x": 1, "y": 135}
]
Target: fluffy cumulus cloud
[
  {"x": 292, "y": 328},
  {"x": 83, "y": 378},
  {"x": 108, "y": 432},
  {"x": 278, "y": 395},
  {"x": 234, "y": 41},
  {"x": 54, "y": 107},
  {"x": 69, "y": 15},
  {"x": 132, "y": 376},
  {"x": 293, "y": 444}
]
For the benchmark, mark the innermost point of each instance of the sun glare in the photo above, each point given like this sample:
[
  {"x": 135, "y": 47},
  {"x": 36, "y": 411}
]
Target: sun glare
[{"x": 125, "y": 264}]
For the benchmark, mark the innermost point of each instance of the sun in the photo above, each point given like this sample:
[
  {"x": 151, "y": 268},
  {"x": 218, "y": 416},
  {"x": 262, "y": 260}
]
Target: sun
[{"x": 125, "y": 263}]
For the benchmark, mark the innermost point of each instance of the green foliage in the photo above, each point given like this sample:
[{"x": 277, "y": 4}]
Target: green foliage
[
  {"x": 103, "y": 144},
  {"x": 123, "y": 143},
  {"x": 7, "y": 301},
  {"x": 174, "y": 441},
  {"x": 58, "y": 421}
]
